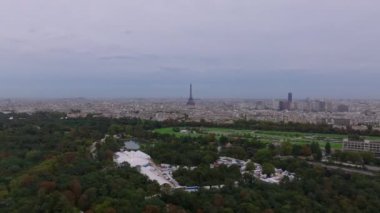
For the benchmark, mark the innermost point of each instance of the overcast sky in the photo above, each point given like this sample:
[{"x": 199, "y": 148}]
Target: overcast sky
[{"x": 226, "y": 48}]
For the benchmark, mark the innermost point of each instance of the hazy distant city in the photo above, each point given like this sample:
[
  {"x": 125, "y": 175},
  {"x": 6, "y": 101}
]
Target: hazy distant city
[{"x": 358, "y": 114}]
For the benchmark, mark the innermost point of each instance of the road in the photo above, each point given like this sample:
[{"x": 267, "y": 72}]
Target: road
[{"x": 358, "y": 171}]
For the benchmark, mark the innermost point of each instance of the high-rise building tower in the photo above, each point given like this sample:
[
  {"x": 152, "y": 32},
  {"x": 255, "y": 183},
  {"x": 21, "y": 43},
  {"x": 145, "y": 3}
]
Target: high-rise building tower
[
  {"x": 290, "y": 97},
  {"x": 191, "y": 101},
  {"x": 286, "y": 104}
]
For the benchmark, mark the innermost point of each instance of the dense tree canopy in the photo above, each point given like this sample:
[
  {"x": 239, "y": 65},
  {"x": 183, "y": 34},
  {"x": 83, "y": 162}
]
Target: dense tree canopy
[{"x": 46, "y": 166}]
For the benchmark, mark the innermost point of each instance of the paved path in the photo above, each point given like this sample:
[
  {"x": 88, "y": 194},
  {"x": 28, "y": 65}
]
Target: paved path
[
  {"x": 373, "y": 168},
  {"x": 358, "y": 171}
]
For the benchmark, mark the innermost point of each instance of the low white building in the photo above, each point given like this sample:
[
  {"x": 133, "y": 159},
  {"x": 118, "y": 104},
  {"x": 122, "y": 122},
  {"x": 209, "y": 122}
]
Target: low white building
[{"x": 146, "y": 166}]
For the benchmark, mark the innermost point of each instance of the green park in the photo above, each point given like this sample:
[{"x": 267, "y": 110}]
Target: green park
[{"x": 264, "y": 136}]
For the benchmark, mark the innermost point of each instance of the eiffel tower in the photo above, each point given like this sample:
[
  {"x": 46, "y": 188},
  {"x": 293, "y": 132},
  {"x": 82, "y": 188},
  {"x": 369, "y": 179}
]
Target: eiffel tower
[{"x": 191, "y": 101}]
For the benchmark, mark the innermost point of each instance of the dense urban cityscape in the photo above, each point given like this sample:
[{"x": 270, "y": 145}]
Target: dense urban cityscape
[{"x": 358, "y": 114}]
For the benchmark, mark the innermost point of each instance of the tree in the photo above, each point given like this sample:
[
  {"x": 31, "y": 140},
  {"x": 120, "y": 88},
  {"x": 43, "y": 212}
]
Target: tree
[
  {"x": 248, "y": 207},
  {"x": 316, "y": 151},
  {"x": 314, "y": 147},
  {"x": 211, "y": 138},
  {"x": 268, "y": 169},
  {"x": 296, "y": 150},
  {"x": 235, "y": 152},
  {"x": 306, "y": 151},
  {"x": 368, "y": 157},
  {"x": 355, "y": 137},
  {"x": 318, "y": 155},
  {"x": 263, "y": 155},
  {"x": 76, "y": 188},
  {"x": 286, "y": 148},
  {"x": 152, "y": 209},
  {"x": 354, "y": 157},
  {"x": 116, "y": 129},
  {"x": 328, "y": 148},
  {"x": 250, "y": 166},
  {"x": 218, "y": 200},
  {"x": 223, "y": 140}
]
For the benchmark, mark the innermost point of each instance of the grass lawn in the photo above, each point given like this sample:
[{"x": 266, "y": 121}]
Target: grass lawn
[
  {"x": 267, "y": 136},
  {"x": 170, "y": 131}
]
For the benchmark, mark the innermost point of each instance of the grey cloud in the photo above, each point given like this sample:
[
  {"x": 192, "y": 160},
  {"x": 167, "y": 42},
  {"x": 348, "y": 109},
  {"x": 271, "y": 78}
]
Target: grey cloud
[
  {"x": 16, "y": 40},
  {"x": 130, "y": 57},
  {"x": 117, "y": 57},
  {"x": 260, "y": 46},
  {"x": 127, "y": 32}
]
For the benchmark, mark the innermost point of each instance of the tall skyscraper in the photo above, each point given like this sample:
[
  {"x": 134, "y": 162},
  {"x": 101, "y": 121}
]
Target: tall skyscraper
[
  {"x": 286, "y": 104},
  {"x": 290, "y": 97},
  {"x": 191, "y": 101}
]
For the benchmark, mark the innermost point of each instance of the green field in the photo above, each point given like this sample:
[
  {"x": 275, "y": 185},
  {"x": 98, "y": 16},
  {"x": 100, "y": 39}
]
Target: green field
[{"x": 267, "y": 136}]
